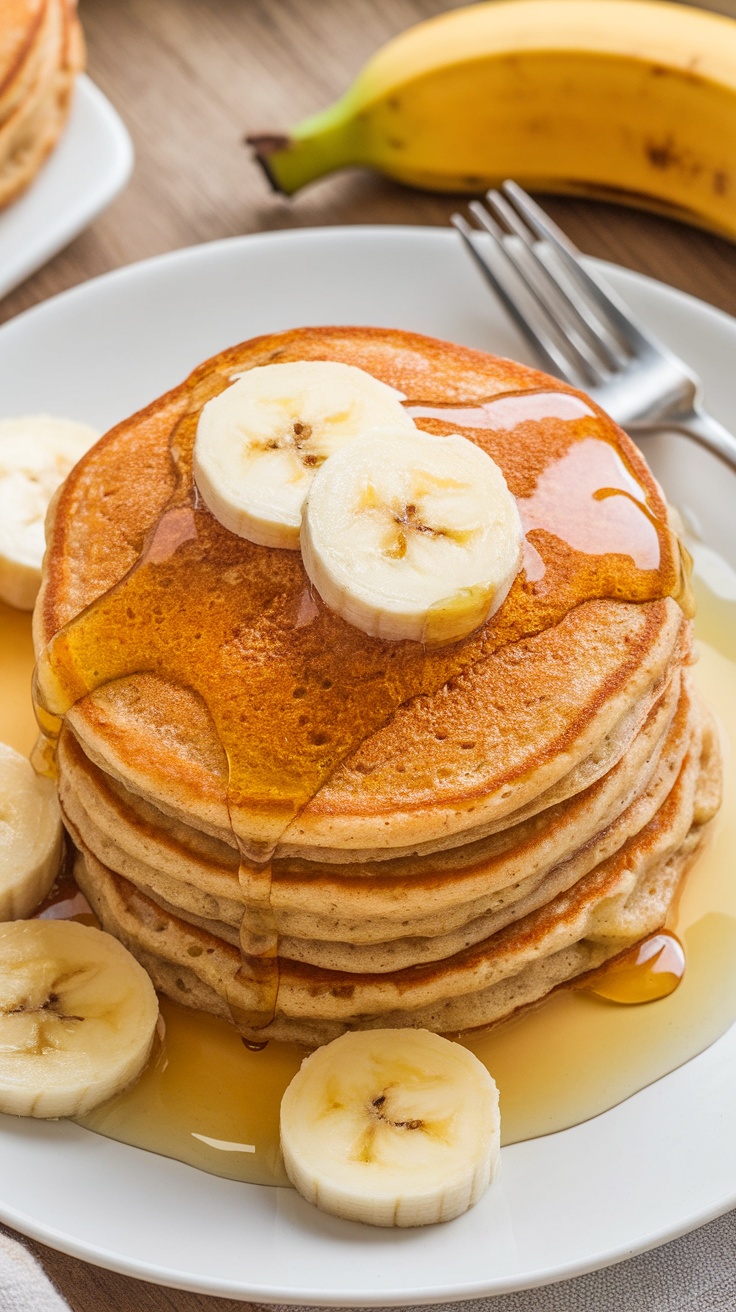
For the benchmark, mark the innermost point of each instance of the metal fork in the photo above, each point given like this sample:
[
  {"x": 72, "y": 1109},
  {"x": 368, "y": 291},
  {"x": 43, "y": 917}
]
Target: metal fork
[{"x": 579, "y": 328}]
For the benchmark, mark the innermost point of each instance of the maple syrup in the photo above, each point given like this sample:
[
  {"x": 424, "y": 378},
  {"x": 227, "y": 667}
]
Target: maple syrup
[
  {"x": 20, "y": 729},
  {"x": 237, "y": 623},
  {"x": 65, "y": 900},
  {"x": 583, "y": 502},
  {"x": 205, "y": 1099}
]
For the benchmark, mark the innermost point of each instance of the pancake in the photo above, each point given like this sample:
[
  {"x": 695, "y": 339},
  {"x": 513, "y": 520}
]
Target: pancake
[
  {"x": 41, "y": 52},
  {"x": 602, "y": 667},
  {"x": 26, "y": 28},
  {"x": 411, "y": 943},
  {"x": 369, "y": 903},
  {"x": 453, "y": 833},
  {"x": 431, "y": 768},
  {"x": 624, "y": 898}
]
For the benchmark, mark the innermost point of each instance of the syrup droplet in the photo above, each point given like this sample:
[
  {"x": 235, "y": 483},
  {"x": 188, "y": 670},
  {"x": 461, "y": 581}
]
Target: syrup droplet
[
  {"x": 650, "y": 970},
  {"x": 43, "y": 756},
  {"x": 253, "y": 1047}
]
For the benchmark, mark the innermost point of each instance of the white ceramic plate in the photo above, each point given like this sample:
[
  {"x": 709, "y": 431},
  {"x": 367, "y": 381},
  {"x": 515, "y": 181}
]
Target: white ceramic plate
[
  {"x": 656, "y": 1166},
  {"x": 90, "y": 165}
]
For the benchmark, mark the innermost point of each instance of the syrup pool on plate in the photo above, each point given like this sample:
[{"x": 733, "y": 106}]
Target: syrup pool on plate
[{"x": 206, "y": 1100}]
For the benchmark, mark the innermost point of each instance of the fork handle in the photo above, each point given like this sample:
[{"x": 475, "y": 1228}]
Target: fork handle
[{"x": 703, "y": 429}]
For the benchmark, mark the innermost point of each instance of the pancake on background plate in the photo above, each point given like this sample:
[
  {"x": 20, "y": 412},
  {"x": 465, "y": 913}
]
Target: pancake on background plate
[
  {"x": 41, "y": 52},
  {"x": 481, "y": 824}
]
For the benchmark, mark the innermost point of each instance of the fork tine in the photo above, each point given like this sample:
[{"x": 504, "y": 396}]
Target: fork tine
[
  {"x": 541, "y": 342},
  {"x": 535, "y": 279},
  {"x": 612, "y": 311},
  {"x": 587, "y": 328},
  {"x": 581, "y": 331}
]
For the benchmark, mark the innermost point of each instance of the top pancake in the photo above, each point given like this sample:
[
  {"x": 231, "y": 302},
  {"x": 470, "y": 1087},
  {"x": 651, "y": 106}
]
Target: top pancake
[{"x": 498, "y": 722}]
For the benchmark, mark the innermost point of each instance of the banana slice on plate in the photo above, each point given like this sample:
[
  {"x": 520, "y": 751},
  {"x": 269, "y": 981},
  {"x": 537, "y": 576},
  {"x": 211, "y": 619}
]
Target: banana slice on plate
[
  {"x": 408, "y": 535},
  {"x": 31, "y": 835},
  {"x": 36, "y": 454},
  {"x": 391, "y": 1127},
  {"x": 77, "y": 1018},
  {"x": 261, "y": 441}
]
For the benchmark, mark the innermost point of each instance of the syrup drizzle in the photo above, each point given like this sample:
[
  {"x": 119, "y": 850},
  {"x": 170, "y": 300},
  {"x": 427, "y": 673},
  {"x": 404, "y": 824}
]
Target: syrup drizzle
[
  {"x": 585, "y": 499},
  {"x": 238, "y": 624}
]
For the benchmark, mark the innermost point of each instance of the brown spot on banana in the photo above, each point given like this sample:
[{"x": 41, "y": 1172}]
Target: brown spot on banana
[{"x": 662, "y": 155}]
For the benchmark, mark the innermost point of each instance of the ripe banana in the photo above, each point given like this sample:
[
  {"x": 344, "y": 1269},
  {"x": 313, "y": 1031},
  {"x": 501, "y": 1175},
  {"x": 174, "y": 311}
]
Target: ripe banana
[
  {"x": 412, "y": 536},
  {"x": 36, "y": 454},
  {"x": 622, "y": 99},
  {"x": 77, "y": 1018},
  {"x": 391, "y": 1127},
  {"x": 261, "y": 441},
  {"x": 31, "y": 836}
]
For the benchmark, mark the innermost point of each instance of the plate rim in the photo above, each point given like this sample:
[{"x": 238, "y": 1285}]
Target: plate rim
[
  {"x": 214, "y": 1287},
  {"x": 318, "y": 233}
]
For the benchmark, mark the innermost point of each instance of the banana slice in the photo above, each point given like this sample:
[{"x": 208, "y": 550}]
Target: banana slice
[
  {"x": 261, "y": 441},
  {"x": 36, "y": 454},
  {"x": 407, "y": 535},
  {"x": 77, "y": 1018},
  {"x": 31, "y": 836},
  {"x": 391, "y": 1127}
]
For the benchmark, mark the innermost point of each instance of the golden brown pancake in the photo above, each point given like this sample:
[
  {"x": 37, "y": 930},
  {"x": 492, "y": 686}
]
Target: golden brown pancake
[
  {"x": 554, "y": 861},
  {"x": 437, "y": 752},
  {"x": 625, "y": 897},
  {"x": 369, "y": 903},
  {"x": 457, "y": 832}
]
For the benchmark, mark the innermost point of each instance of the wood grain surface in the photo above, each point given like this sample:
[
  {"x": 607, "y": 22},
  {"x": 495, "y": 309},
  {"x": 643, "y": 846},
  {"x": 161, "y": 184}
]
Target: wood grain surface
[{"x": 190, "y": 77}]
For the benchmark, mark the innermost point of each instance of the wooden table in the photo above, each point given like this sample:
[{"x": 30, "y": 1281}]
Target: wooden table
[{"x": 190, "y": 77}]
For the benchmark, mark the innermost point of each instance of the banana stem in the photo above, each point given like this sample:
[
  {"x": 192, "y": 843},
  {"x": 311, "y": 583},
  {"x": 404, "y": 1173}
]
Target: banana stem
[{"x": 317, "y": 146}]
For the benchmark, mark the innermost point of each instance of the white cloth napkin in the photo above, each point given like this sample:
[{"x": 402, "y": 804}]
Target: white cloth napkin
[
  {"x": 694, "y": 1274},
  {"x": 23, "y": 1285}
]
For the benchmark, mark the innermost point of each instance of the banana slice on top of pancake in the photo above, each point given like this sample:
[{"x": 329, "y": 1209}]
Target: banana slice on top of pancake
[
  {"x": 261, "y": 441},
  {"x": 408, "y": 535},
  {"x": 391, "y": 1127},
  {"x": 36, "y": 454},
  {"x": 77, "y": 1018},
  {"x": 31, "y": 836}
]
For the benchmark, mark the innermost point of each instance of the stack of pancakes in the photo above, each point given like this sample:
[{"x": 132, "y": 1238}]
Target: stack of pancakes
[
  {"x": 493, "y": 840},
  {"x": 41, "y": 52}
]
